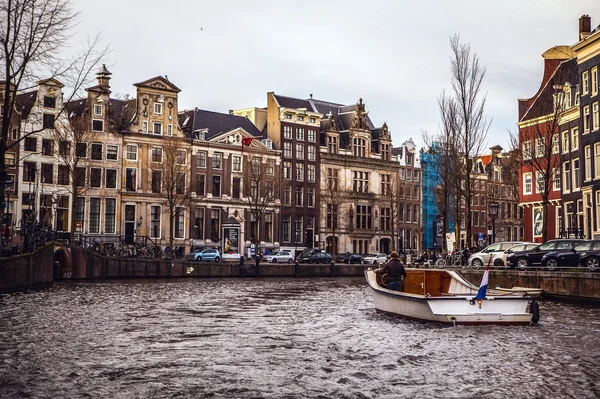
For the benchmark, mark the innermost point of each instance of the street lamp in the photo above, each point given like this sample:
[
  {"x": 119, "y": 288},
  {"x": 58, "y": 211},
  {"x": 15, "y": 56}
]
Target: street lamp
[{"x": 493, "y": 212}]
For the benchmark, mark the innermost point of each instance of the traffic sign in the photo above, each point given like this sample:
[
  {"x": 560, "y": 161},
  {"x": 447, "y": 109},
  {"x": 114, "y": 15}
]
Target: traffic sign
[{"x": 480, "y": 236}]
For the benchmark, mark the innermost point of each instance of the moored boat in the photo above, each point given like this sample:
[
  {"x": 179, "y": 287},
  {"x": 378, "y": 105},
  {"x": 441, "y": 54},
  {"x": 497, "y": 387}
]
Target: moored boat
[{"x": 445, "y": 296}]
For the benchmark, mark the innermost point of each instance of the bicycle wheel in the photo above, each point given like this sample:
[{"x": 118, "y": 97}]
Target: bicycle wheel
[{"x": 440, "y": 262}]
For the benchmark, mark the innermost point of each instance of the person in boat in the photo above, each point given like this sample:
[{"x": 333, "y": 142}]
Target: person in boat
[{"x": 395, "y": 272}]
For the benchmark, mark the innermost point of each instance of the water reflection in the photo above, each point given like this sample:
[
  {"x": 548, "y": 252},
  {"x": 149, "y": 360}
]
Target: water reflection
[{"x": 290, "y": 338}]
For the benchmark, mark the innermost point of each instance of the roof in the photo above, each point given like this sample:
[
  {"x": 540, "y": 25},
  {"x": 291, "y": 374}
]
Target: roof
[
  {"x": 291, "y": 102},
  {"x": 567, "y": 72},
  {"x": 158, "y": 82},
  {"x": 215, "y": 122},
  {"x": 76, "y": 108},
  {"x": 343, "y": 114},
  {"x": 24, "y": 102}
]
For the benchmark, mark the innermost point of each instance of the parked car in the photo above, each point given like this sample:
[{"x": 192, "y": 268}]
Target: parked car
[
  {"x": 568, "y": 257},
  {"x": 591, "y": 258},
  {"x": 481, "y": 258},
  {"x": 533, "y": 257},
  {"x": 281, "y": 257},
  {"x": 349, "y": 258},
  {"x": 318, "y": 257},
  {"x": 207, "y": 255},
  {"x": 375, "y": 259},
  {"x": 499, "y": 258}
]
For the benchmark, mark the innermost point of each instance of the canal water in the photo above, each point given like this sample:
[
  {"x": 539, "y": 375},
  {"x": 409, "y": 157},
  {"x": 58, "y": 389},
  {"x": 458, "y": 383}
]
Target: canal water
[{"x": 278, "y": 338}]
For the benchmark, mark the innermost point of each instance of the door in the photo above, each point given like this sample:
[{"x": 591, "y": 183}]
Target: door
[{"x": 129, "y": 223}]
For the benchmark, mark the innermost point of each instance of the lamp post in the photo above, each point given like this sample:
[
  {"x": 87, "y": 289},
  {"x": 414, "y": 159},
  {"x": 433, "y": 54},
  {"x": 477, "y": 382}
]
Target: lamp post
[{"x": 493, "y": 212}]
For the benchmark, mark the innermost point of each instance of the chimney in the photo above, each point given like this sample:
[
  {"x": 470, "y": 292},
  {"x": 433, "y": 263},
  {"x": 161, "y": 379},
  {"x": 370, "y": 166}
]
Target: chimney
[
  {"x": 311, "y": 96},
  {"x": 230, "y": 112},
  {"x": 103, "y": 77},
  {"x": 585, "y": 26}
]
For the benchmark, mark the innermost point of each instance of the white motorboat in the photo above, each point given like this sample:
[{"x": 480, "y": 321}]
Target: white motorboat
[{"x": 444, "y": 296}]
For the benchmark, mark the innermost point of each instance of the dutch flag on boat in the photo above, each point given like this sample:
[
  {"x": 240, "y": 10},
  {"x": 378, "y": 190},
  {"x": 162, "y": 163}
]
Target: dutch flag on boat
[{"x": 484, "y": 282}]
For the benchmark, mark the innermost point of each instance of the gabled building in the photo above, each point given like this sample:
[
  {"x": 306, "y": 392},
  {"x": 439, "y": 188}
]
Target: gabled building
[{"x": 409, "y": 197}]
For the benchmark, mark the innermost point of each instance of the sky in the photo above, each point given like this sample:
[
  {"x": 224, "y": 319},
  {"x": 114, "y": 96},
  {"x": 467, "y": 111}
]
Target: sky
[{"x": 394, "y": 54}]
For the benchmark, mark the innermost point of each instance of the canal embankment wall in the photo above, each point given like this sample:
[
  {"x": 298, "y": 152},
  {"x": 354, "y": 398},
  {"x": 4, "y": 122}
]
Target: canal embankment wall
[{"x": 32, "y": 270}]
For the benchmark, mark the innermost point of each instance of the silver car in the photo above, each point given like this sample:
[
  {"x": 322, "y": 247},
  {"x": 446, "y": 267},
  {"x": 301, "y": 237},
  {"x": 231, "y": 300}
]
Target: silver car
[
  {"x": 281, "y": 257},
  {"x": 499, "y": 258},
  {"x": 481, "y": 258}
]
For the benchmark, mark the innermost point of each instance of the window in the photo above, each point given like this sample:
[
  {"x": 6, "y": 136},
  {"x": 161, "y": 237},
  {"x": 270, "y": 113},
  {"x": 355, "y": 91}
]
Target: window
[
  {"x": 287, "y": 195},
  {"x": 47, "y": 147},
  {"x": 588, "y": 163},
  {"x": 112, "y": 152},
  {"x": 180, "y": 223},
  {"x": 332, "y": 179},
  {"x": 158, "y": 108},
  {"x": 597, "y": 160},
  {"x": 268, "y": 237},
  {"x": 359, "y": 147},
  {"x": 594, "y": 80},
  {"x": 526, "y": 150},
  {"x": 540, "y": 148},
  {"x": 332, "y": 216},
  {"x": 145, "y": 126},
  {"x": 270, "y": 167},
  {"x": 199, "y": 226},
  {"x": 215, "y": 224},
  {"x": 157, "y": 128},
  {"x": 567, "y": 176},
  {"x": 64, "y": 148},
  {"x": 576, "y": 173},
  {"x": 595, "y": 116},
  {"x": 180, "y": 183},
  {"x": 180, "y": 157},
  {"x": 237, "y": 164},
  {"x": 287, "y": 130},
  {"x": 586, "y": 119},
  {"x": 310, "y": 197},
  {"x": 94, "y": 219},
  {"x": 169, "y": 130},
  {"x": 131, "y": 154},
  {"x": 217, "y": 160},
  {"x": 299, "y": 171},
  {"x": 97, "y": 110},
  {"x": 299, "y": 151},
  {"x": 47, "y": 173},
  {"x": 540, "y": 182},
  {"x": 255, "y": 165},
  {"x": 408, "y": 174},
  {"x": 298, "y": 223},
  {"x": 574, "y": 139},
  {"x": 585, "y": 83},
  {"x": 81, "y": 150},
  {"x": 131, "y": 179},
  {"x": 156, "y": 181},
  {"x": 556, "y": 179},
  {"x": 80, "y": 210},
  {"x": 300, "y": 133},
  {"x": 49, "y": 102},
  {"x": 110, "y": 211},
  {"x": 332, "y": 146},
  {"x": 200, "y": 183},
  {"x": 48, "y": 121},
  {"x": 555, "y": 143},
  {"x": 156, "y": 154},
  {"x": 63, "y": 175},
  {"x": 97, "y": 152},
  {"x": 269, "y": 189},
  {"x": 29, "y": 169},
  {"x": 111, "y": 178},
  {"x": 311, "y": 133},
  {"x": 95, "y": 177},
  {"x": 287, "y": 149},
  {"x": 386, "y": 184},
  {"x": 235, "y": 190},
  {"x": 287, "y": 170},
  {"x": 299, "y": 196},
  {"x": 155, "y": 221},
  {"x": 30, "y": 143},
  {"x": 360, "y": 182},
  {"x": 286, "y": 228},
  {"x": 201, "y": 160},
  {"x": 311, "y": 156},
  {"x": 97, "y": 125},
  {"x": 385, "y": 152},
  {"x": 363, "y": 217},
  {"x": 310, "y": 173},
  {"x": 300, "y": 118},
  {"x": 577, "y": 96},
  {"x": 216, "y": 186},
  {"x": 565, "y": 142},
  {"x": 527, "y": 185}
]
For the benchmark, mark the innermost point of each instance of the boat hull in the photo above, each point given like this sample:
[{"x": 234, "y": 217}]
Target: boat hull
[{"x": 451, "y": 309}]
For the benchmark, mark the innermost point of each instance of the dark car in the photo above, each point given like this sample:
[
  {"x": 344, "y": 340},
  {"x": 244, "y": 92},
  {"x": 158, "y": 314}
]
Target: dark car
[
  {"x": 318, "y": 257},
  {"x": 533, "y": 257},
  {"x": 568, "y": 257},
  {"x": 591, "y": 258},
  {"x": 349, "y": 258}
]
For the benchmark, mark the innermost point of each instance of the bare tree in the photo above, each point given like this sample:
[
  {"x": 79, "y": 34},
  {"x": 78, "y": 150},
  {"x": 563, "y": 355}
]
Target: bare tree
[
  {"x": 334, "y": 193},
  {"x": 169, "y": 178},
  {"x": 260, "y": 190},
  {"x": 32, "y": 33},
  {"x": 471, "y": 123}
]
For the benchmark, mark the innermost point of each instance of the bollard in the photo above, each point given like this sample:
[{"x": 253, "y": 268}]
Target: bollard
[
  {"x": 296, "y": 268},
  {"x": 332, "y": 267}
]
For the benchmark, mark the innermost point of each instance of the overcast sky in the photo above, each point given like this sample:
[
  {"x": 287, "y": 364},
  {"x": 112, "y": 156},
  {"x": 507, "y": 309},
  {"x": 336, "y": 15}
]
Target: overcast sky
[{"x": 394, "y": 54}]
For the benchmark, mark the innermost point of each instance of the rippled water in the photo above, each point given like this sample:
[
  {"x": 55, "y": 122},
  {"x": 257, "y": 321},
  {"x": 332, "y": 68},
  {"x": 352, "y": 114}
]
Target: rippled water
[{"x": 277, "y": 338}]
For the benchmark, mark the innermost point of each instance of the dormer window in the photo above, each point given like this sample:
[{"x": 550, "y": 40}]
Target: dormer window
[
  {"x": 312, "y": 120},
  {"x": 49, "y": 102},
  {"x": 287, "y": 116},
  {"x": 300, "y": 118},
  {"x": 97, "y": 110},
  {"x": 409, "y": 159},
  {"x": 158, "y": 108},
  {"x": 198, "y": 135},
  {"x": 268, "y": 143}
]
